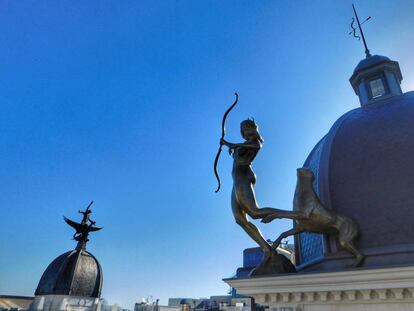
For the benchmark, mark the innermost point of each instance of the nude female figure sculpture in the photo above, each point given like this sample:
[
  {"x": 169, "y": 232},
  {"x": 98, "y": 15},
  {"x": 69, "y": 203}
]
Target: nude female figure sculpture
[{"x": 243, "y": 200}]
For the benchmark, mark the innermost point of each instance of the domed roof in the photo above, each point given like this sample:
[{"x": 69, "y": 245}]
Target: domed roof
[
  {"x": 364, "y": 169},
  {"x": 76, "y": 273},
  {"x": 371, "y": 61}
]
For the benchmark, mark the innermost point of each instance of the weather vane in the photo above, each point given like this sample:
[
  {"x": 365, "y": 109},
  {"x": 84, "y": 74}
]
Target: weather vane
[
  {"x": 354, "y": 29},
  {"x": 82, "y": 229}
]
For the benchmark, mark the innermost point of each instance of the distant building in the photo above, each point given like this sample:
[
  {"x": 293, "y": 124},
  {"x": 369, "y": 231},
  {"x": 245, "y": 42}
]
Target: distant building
[
  {"x": 9, "y": 303},
  {"x": 113, "y": 307},
  {"x": 178, "y": 302},
  {"x": 214, "y": 303},
  {"x": 148, "y": 306},
  {"x": 104, "y": 306},
  {"x": 73, "y": 281}
]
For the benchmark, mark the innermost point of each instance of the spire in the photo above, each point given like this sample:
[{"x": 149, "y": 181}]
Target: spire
[
  {"x": 82, "y": 229},
  {"x": 367, "y": 53}
]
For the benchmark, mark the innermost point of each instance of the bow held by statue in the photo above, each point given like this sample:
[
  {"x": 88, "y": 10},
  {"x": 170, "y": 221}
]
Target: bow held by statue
[{"x": 223, "y": 132}]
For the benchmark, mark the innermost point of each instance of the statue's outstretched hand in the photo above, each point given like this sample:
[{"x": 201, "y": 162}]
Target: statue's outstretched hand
[{"x": 270, "y": 218}]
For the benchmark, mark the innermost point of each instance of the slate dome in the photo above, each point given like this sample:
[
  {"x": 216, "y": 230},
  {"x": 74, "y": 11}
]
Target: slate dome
[
  {"x": 364, "y": 169},
  {"x": 371, "y": 61},
  {"x": 75, "y": 273}
]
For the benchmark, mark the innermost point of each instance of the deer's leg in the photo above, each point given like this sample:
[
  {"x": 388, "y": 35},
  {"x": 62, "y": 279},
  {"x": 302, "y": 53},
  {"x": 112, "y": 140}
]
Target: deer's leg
[
  {"x": 285, "y": 234},
  {"x": 348, "y": 231},
  {"x": 278, "y": 213},
  {"x": 350, "y": 247}
]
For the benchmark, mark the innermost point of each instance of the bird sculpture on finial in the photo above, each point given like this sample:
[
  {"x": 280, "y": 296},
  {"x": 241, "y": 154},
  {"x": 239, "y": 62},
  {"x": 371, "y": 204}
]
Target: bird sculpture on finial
[{"x": 83, "y": 228}]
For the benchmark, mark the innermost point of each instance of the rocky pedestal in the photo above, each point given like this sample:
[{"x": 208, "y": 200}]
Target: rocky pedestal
[
  {"x": 275, "y": 264},
  {"x": 353, "y": 290}
]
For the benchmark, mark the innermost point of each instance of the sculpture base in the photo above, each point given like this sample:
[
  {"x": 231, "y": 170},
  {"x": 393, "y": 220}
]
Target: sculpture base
[
  {"x": 375, "y": 257},
  {"x": 275, "y": 264}
]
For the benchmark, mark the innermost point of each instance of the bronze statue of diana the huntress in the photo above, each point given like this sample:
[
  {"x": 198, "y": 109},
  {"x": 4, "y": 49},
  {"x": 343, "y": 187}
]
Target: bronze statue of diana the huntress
[
  {"x": 309, "y": 213},
  {"x": 243, "y": 200}
]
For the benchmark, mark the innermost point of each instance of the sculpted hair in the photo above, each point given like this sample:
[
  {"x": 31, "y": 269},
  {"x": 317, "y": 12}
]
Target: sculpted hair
[{"x": 252, "y": 127}]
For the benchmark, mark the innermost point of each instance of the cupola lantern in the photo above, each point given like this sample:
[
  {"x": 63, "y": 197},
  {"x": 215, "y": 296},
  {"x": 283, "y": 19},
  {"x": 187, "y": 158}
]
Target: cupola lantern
[{"x": 375, "y": 78}]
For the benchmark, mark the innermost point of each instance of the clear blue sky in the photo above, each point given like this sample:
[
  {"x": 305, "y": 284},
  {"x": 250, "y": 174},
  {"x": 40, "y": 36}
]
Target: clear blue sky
[{"x": 121, "y": 102}]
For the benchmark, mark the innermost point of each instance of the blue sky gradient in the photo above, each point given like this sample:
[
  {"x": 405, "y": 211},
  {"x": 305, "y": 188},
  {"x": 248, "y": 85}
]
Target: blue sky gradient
[{"x": 121, "y": 102}]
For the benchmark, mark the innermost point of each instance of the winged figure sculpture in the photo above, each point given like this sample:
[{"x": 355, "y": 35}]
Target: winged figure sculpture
[{"x": 84, "y": 227}]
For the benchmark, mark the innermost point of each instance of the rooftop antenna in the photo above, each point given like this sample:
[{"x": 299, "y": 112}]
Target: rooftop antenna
[{"x": 367, "y": 53}]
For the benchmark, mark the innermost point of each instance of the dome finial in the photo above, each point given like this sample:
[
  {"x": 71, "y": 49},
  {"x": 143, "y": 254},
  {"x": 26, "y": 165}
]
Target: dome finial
[
  {"x": 82, "y": 229},
  {"x": 367, "y": 53}
]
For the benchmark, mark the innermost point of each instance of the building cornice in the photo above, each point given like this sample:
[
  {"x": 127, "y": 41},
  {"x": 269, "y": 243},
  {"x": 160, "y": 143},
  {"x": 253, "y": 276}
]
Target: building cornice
[{"x": 354, "y": 285}]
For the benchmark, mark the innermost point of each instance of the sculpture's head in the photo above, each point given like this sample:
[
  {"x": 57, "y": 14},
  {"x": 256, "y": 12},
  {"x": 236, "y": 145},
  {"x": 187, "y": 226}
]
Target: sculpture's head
[
  {"x": 305, "y": 173},
  {"x": 250, "y": 131}
]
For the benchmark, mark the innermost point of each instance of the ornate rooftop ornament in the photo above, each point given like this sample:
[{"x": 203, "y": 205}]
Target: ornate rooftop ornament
[
  {"x": 83, "y": 228},
  {"x": 74, "y": 279}
]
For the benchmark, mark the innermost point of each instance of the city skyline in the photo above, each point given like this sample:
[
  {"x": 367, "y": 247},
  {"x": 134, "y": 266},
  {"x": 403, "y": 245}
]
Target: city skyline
[{"x": 121, "y": 103}]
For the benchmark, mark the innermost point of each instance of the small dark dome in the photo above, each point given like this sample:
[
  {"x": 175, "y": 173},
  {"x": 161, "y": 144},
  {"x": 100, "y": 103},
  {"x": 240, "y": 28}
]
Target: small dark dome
[
  {"x": 364, "y": 169},
  {"x": 76, "y": 273},
  {"x": 371, "y": 61}
]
